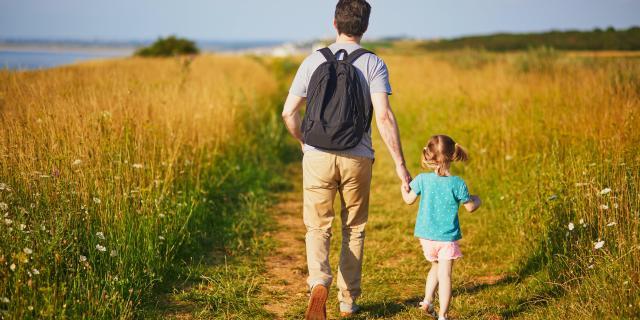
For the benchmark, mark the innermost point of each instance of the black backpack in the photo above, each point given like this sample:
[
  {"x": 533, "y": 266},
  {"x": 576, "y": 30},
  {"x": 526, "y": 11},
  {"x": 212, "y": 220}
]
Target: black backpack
[{"x": 339, "y": 108}]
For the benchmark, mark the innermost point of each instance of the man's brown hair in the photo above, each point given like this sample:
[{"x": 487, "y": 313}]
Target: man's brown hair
[{"x": 352, "y": 17}]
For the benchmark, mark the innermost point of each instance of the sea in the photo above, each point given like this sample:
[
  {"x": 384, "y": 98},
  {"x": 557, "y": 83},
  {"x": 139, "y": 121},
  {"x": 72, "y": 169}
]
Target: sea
[
  {"x": 18, "y": 56},
  {"x": 30, "y": 59}
]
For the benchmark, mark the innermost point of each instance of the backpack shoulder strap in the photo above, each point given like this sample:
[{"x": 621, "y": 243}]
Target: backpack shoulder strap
[
  {"x": 356, "y": 54},
  {"x": 326, "y": 52}
]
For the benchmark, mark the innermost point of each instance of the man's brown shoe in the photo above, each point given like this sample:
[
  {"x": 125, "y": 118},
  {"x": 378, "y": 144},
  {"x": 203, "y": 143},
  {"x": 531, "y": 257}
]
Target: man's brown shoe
[{"x": 317, "y": 309}]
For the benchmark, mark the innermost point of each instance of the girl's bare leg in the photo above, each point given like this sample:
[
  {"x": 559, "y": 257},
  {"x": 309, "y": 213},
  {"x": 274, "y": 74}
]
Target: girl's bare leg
[
  {"x": 432, "y": 283},
  {"x": 444, "y": 291}
]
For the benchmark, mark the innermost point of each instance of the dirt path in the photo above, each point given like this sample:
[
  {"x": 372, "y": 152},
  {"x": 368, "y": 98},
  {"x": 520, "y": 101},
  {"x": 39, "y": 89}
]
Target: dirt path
[{"x": 286, "y": 266}]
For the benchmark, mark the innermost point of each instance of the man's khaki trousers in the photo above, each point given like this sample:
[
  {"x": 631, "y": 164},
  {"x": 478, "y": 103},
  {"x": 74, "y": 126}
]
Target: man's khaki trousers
[{"x": 324, "y": 175}]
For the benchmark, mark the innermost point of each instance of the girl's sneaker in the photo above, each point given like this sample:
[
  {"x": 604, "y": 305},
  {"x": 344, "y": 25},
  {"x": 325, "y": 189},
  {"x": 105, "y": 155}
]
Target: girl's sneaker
[
  {"x": 429, "y": 309},
  {"x": 348, "y": 310}
]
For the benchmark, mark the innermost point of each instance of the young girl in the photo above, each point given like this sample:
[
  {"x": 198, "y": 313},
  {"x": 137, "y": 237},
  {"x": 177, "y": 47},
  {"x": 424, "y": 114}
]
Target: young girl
[{"x": 437, "y": 224}]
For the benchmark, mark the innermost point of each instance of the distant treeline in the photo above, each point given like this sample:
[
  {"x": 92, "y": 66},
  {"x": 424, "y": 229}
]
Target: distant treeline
[{"x": 598, "y": 39}]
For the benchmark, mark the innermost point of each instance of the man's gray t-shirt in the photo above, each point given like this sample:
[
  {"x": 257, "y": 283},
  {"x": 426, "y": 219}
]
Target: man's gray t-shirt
[{"x": 373, "y": 71}]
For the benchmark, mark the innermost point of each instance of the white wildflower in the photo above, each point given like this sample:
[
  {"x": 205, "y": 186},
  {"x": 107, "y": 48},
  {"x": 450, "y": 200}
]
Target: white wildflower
[
  {"x": 100, "y": 235},
  {"x": 598, "y": 245},
  {"x": 113, "y": 253},
  {"x": 12, "y": 267},
  {"x": 4, "y": 206},
  {"x": 161, "y": 215},
  {"x": 5, "y": 300},
  {"x": 611, "y": 224},
  {"x": 23, "y": 226},
  {"x": 161, "y": 237},
  {"x": 570, "y": 226},
  {"x": 35, "y": 271},
  {"x": 590, "y": 266},
  {"x": 137, "y": 166},
  {"x": 30, "y": 308},
  {"x": 553, "y": 197},
  {"x": 3, "y": 186},
  {"x": 604, "y": 207},
  {"x": 605, "y": 191},
  {"x": 8, "y": 221},
  {"x": 83, "y": 259},
  {"x": 96, "y": 200},
  {"x": 101, "y": 248},
  {"x": 77, "y": 162},
  {"x": 27, "y": 251}
]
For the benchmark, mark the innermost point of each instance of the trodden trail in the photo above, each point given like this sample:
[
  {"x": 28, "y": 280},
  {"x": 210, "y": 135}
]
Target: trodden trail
[{"x": 286, "y": 268}]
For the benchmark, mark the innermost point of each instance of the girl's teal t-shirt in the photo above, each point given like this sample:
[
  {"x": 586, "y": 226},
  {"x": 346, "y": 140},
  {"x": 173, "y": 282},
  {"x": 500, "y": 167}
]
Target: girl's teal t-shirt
[{"x": 440, "y": 198}]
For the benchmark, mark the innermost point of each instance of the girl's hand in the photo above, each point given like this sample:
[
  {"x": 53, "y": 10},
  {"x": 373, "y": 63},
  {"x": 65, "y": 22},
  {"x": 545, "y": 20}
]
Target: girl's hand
[
  {"x": 409, "y": 197},
  {"x": 473, "y": 204}
]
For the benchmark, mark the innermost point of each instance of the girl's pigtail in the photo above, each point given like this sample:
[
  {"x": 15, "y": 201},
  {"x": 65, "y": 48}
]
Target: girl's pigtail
[{"x": 459, "y": 154}]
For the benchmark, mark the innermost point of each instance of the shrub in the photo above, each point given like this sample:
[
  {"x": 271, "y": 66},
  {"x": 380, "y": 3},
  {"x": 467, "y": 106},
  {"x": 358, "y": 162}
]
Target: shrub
[{"x": 169, "y": 46}]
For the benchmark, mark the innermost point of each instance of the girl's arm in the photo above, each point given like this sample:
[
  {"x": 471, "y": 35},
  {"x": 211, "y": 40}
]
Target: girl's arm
[
  {"x": 409, "y": 197},
  {"x": 473, "y": 204}
]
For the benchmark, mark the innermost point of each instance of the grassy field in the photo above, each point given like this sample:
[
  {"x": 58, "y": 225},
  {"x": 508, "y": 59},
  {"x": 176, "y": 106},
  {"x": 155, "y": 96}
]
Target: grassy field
[
  {"x": 553, "y": 141},
  {"x": 112, "y": 173},
  {"x": 140, "y": 188}
]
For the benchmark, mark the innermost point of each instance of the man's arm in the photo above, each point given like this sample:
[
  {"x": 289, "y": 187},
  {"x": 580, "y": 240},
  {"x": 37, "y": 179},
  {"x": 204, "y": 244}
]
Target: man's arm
[
  {"x": 390, "y": 135},
  {"x": 291, "y": 116}
]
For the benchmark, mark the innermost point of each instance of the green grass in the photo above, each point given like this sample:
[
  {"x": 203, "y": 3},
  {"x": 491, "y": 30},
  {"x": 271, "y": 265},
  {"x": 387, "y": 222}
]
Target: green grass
[{"x": 547, "y": 132}]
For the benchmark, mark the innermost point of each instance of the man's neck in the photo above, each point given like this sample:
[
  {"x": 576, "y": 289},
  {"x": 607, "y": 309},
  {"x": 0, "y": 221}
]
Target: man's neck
[{"x": 343, "y": 38}]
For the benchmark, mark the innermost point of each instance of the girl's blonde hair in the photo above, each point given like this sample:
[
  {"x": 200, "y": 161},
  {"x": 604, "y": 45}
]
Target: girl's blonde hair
[{"x": 440, "y": 151}]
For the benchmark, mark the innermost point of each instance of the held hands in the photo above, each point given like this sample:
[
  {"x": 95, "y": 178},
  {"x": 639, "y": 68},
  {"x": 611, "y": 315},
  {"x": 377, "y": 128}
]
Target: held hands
[
  {"x": 409, "y": 197},
  {"x": 404, "y": 175}
]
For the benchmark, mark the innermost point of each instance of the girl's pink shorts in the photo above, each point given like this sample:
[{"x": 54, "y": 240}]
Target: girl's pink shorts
[{"x": 440, "y": 250}]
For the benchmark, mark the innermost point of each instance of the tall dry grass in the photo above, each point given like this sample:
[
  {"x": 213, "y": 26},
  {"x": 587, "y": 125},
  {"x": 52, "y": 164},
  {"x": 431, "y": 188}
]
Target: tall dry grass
[
  {"x": 103, "y": 164},
  {"x": 554, "y": 142}
]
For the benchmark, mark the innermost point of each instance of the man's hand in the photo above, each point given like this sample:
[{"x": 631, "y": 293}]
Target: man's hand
[
  {"x": 404, "y": 175},
  {"x": 291, "y": 116}
]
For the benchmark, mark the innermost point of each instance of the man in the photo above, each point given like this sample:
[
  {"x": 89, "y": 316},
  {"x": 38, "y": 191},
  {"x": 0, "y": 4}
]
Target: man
[{"x": 347, "y": 172}]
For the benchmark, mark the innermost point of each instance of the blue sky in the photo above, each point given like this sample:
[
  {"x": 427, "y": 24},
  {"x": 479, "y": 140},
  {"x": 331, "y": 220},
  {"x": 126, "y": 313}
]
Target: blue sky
[{"x": 299, "y": 19}]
